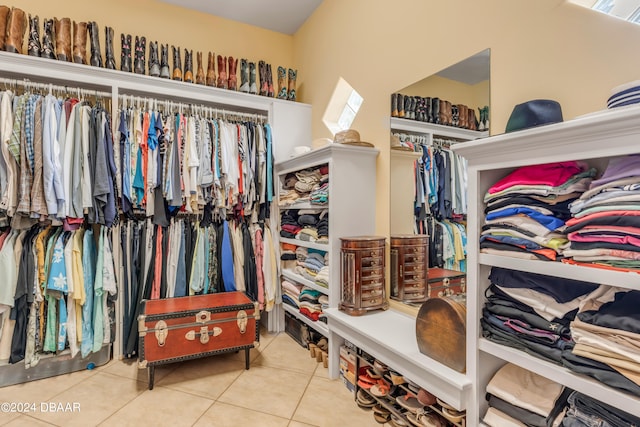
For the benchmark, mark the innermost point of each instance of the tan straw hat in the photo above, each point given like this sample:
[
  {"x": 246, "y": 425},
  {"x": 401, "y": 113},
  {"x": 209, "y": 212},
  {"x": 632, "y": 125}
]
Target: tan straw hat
[{"x": 350, "y": 137}]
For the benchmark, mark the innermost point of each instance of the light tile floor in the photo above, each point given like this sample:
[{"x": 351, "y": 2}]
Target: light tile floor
[{"x": 283, "y": 387}]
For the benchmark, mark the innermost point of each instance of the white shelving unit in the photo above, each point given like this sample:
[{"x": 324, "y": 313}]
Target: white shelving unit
[
  {"x": 426, "y": 128},
  {"x": 351, "y": 207},
  {"x": 290, "y": 123},
  {"x": 594, "y": 138}
]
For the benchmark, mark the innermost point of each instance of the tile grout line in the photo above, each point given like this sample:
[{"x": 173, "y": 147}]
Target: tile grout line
[{"x": 302, "y": 395}]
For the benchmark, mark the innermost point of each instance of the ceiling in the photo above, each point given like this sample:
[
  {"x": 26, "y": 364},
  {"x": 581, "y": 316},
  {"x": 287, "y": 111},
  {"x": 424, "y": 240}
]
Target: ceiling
[
  {"x": 471, "y": 71},
  {"x": 283, "y": 16}
]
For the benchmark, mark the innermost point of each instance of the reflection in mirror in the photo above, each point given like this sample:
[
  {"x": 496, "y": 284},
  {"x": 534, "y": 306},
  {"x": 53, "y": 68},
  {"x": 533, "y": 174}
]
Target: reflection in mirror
[{"x": 428, "y": 181}]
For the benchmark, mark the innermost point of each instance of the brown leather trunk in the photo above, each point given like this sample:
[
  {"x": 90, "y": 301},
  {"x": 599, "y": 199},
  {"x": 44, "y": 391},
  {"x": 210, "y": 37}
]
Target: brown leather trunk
[
  {"x": 409, "y": 267},
  {"x": 443, "y": 283},
  {"x": 441, "y": 327},
  {"x": 178, "y": 329},
  {"x": 16, "y": 26},
  {"x": 362, "y": 262}
]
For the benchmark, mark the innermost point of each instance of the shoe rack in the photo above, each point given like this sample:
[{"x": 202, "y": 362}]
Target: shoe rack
[
  {"x": 393, "y": 392},
  {"x": 594, "y": 138}
]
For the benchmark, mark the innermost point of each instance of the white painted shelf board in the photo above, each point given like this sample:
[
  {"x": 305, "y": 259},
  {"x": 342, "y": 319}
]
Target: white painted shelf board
[
  {"x": 622, "y": 279},
  {"x": 303, "y": 205},
  {"x": 564, "y": 376},
  {"x": 435, "y": 129},
  {"x": 408, "y": 154},
  {"x": 61, "y": 72},
  {"x": 391, "y": 337},
  {"x": 320, "y": 156},
  {"x": 603, "y": 134},
  {"x": 304, "y": 243},
  {"x": 302, "y": 281},
  {"x": 316, "y": 325}
]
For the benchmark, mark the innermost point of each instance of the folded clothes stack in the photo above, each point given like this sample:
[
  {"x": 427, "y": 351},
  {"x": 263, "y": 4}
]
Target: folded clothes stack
[
  {"x": 606, "y": 332},
  {"x": 297, "y": 186},
  {"x": 291, "y": 293},
  {"x": 289, "y": 226},
  {"x": 323, "y": 227},
  {"x": 526, "y": 211},
  {"x": 313, "y": 263},
  {"x": 532, "y": 312},
  {"x": 582, "y": 407},
  {"x": 309, "y": 303},
  {"x": 320, "y": 194},
  {"x": 519, "y": 398},
  {"x": 605, "y": 229}
]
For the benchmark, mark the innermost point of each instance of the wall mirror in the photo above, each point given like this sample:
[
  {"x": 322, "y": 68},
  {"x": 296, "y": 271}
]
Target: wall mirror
[{"x": 428, "y": 182}]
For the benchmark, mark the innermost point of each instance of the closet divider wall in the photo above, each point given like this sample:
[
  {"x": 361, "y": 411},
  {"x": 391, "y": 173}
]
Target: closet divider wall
[{"x": 184, "y": 108}]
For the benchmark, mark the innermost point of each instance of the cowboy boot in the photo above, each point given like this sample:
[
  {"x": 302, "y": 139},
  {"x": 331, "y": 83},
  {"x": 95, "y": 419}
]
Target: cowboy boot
[
  {"x": 253, "y": 86},
  {"x": 4, "y": 17},
  {"x": 454, "y": 115},
  {"x": 401, "y": 105},
  {"x": 418, "y": 110},
  {"x": 94, "y": 41},
  {"x": 109, "y": 55},
  {"x": 63, "y": 39},
  {"x": 473, "y": 123},
  {"x": 427, "y": 110},
  {"x": 293, "y": 77},
  {"x": 270, "y": 91},
  {"x": 154, "y": 59},
  {"x": 200, "y": 72},
  {"x": 222, "y": 72},
  {"x": 164, "y": 61},
  {"x": 263, "y": 78},
  {"x": 16, "y": 27},
  {"x": 407, "y": 107},
  {"x": 462, "y": 116},
  {"x": 244, "y": 76},
  {"x": 282, "y": 83},
  {"x": 486, "y": 117},
  {"x": 233, "y": 78},
  {"x": 33, "y": 45},
  {"x": 47, "y": 50},
  {"x": 125, "y": 54},
  {"x": 140, "y": 54},
  {"x": 79, "y": 42},
  {"x": 188, "y": 66},
  {"x": 177, "y": 64},
  {"x": 210, "y": 79},
  {"x": 435, "y": 110}
]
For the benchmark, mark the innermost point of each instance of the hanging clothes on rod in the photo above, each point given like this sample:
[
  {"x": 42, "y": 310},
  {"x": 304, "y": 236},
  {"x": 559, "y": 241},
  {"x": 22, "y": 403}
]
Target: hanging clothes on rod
[
  {"x": 196, "y": 197},
  {"x": 440, "y": 204},
  {"x": 56, "y": 185}
]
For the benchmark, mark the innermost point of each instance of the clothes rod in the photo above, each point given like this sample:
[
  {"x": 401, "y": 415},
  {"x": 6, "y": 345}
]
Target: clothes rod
[
  {"x": 167, "y": 105},
  {"x": 28, "y": 84}
]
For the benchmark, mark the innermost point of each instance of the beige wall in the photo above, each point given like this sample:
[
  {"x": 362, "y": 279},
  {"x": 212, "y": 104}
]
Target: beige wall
[
  {"x": 174, "y": 25},
  {"x": 539, "y": 49}
]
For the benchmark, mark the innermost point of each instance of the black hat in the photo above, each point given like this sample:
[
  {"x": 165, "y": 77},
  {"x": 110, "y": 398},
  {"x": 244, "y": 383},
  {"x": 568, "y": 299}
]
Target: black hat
[{"x": 534, "y": 113}]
